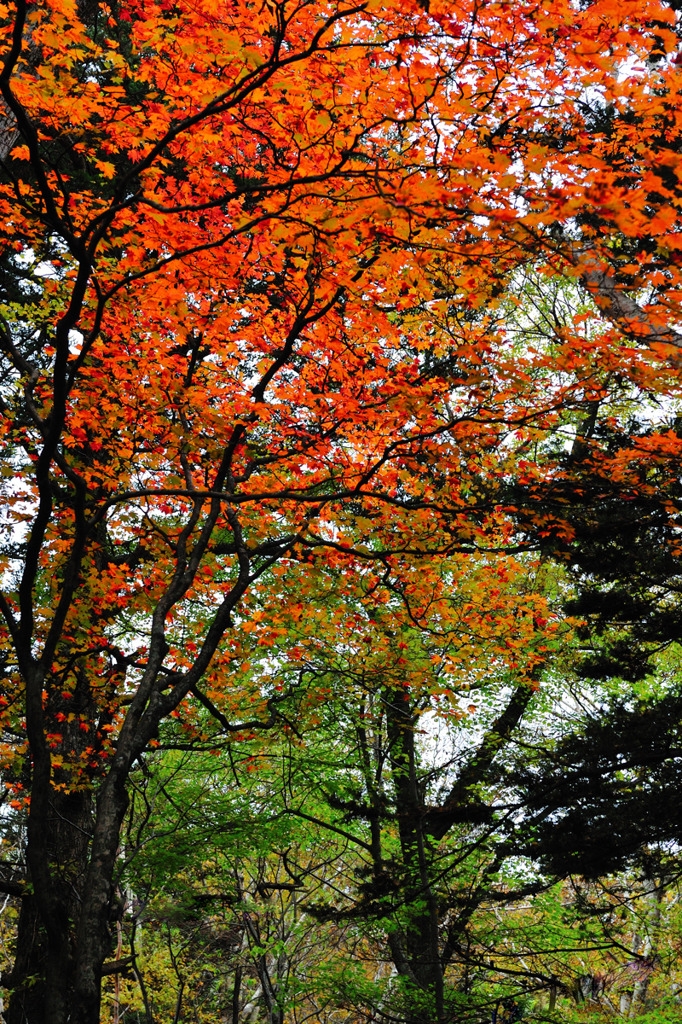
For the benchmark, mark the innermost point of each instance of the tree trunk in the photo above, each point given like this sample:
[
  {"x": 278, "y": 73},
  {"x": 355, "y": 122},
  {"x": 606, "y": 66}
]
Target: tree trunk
[
  {"x": 652, "y": 911},
  {"x": 63, "y": 935},
  {"x": 420, "y": 939},
  {"x": 45, "y": 950}
]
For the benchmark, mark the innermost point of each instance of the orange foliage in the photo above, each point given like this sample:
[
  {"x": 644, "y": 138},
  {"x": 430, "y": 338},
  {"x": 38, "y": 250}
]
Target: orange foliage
[
  {"x": 263, "y": 253},
  {"x": 253, "y": 234}
]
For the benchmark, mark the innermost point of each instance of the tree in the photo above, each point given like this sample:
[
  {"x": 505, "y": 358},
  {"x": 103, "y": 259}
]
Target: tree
[
  {"x": 605, "y": 791},
  {"x": 250, "y": 260},
  {"x": 214, "y": 876},
  {"x": 366, "y": 771}
]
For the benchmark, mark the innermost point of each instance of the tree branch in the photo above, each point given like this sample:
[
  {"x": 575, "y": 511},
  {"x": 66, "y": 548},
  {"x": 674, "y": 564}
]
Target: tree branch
[{"x": 599, "y": 279}]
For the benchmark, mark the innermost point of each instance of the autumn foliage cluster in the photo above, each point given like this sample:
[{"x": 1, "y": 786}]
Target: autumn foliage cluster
[{"x": 323, "y": 329}]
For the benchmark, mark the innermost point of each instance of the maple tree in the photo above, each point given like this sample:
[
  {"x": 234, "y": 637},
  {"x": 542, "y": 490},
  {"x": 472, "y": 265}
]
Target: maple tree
[
  {"x": 325, "y": 824},
  {"x": 251, "y": 263}
]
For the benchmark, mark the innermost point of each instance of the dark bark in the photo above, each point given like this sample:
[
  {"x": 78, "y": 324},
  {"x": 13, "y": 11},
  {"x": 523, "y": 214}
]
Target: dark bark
[
  {"x": 420, "y": 939},
  {"x": 461, "y": 803},
  {"x": 59, "y": 938},
  {"x": 45, "y": 950},
  {"x": 93, "y": 934}
]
